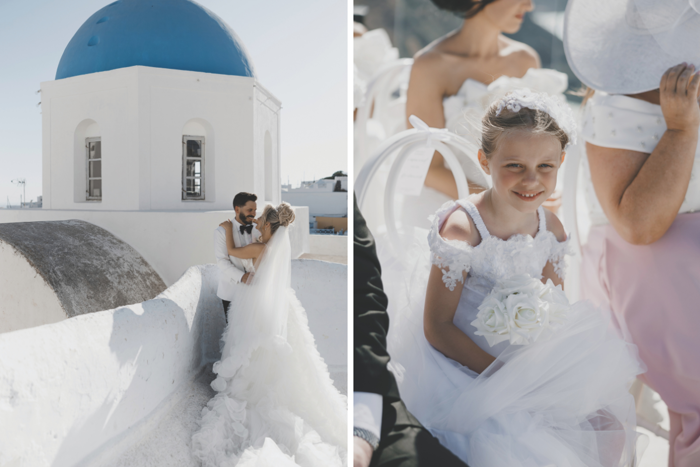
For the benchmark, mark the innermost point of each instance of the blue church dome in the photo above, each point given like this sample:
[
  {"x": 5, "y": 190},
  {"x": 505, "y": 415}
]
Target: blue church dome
[{"x": 175, "y": 34}]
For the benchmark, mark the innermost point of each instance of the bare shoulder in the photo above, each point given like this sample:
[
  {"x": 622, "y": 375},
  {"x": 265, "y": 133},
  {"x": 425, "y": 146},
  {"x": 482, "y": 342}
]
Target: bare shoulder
[
  {"x": 554, "y": 225},
  {"x": 459, "y": 226},
  {"x": 520, "y": 53},
  {"x": 428, "y": 62}
]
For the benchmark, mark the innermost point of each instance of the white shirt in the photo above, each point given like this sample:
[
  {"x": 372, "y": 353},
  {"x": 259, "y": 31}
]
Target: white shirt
[
  {"x": 232, "y": 269},
  {"x": 367, "y": 412}
]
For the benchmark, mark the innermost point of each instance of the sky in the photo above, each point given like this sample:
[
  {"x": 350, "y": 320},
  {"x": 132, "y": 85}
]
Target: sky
[{"x": 298, "y": 47}]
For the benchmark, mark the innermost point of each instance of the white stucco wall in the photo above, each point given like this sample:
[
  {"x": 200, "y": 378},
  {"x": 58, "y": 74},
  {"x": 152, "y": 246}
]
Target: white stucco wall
[
  {"x": 71, "y": 391},
  {"x": 171, "y": 241},
  {"x": 333, "y": 204},
  {"x": 268, "y": 182},
  {"x": 22, "y": 288},
  {"x": 68, "y": 388},
  {"x": 329, "y": 245},
  {"x": 141, "y": 114}
]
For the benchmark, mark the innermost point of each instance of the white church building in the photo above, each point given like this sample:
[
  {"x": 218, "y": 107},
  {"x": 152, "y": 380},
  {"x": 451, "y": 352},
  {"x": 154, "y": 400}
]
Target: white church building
[
  {"x": 156, "y": 106},
  {"x": 142, "y": 138}
]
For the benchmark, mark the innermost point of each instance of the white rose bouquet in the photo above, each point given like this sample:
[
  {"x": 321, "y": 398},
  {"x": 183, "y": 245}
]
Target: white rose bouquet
[{"x": 520, "y": 309}]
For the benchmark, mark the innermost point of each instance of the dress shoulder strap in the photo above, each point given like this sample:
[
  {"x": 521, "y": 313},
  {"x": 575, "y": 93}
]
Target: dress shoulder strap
[
  {"x": 473, "y": 212},
  {"x": 542, "y": 218}
]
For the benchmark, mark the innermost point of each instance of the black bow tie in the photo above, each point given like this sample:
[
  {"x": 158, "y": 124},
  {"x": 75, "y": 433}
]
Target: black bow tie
[{"x": 246, "y": 228}]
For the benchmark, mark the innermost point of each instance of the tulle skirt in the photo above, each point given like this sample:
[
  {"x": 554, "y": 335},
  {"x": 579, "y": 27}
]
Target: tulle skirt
[
  {"x": 561, "y": 401},
  {"x": 276, "y": 404}
]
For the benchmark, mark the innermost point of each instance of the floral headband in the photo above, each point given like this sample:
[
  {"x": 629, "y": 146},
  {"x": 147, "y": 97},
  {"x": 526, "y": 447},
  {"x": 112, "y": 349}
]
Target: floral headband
[{"x": 556, "y": 108}]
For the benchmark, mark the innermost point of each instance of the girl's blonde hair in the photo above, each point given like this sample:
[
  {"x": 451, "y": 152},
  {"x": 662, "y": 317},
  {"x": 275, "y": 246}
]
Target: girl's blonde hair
[
  {"x": 535, "y": 121},
  {"x": 280, "y": 216}
]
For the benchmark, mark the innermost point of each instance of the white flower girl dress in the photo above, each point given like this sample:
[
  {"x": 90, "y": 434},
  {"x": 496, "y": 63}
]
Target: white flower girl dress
[{"x": 561, "y": 400}]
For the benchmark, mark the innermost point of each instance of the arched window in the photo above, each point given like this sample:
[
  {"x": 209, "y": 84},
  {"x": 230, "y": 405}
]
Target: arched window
[
  {"x": 93, "y": 160},
  {"x": 193, "y": 167}
]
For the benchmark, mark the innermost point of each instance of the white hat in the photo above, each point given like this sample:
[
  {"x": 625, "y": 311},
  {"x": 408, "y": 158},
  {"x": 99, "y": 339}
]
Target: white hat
[{"x": 625, "y": 46}]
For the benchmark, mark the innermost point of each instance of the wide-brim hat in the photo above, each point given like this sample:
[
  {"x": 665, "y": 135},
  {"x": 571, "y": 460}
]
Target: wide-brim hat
[{"x": 625, "y": 46}]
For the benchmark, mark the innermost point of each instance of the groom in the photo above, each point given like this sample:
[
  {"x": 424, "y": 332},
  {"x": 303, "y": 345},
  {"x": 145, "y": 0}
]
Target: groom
[{"x": 232, "y": 270}]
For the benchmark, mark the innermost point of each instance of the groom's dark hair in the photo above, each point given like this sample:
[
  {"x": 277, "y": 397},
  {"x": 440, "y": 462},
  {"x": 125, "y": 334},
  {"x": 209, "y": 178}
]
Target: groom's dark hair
[{"x": 241, "y": 198}]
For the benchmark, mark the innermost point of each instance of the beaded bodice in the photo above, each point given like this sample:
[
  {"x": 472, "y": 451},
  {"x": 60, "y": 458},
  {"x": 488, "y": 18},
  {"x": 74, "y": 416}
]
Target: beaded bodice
[{"x": 493, "y": 259}]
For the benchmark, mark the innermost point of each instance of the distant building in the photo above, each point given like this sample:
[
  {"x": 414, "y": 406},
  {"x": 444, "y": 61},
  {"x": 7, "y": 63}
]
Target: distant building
[
  {"x": 30, "y": 205},
  {"x": 38, "y": 204},
  {"x": 327, "y": 200}
]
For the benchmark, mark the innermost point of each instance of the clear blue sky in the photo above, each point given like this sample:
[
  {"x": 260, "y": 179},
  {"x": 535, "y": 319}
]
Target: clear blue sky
[{"x": 298, "y": 47}]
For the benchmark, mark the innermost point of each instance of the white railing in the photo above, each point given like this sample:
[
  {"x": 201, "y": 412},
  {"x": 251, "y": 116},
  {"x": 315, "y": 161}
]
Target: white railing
[
  {"x": 378, "y": 97},
  {"x": 402, "y": 146}
]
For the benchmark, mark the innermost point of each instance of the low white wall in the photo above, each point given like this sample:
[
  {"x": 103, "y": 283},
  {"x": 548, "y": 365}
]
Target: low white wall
[
  {"x": 68, "y": 390},
  {"x": 329, "y": 245},
  {"x": 170, "y": 241}
]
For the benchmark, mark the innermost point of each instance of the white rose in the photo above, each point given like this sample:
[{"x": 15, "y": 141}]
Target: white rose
[
  {"x": 527, "y": 317},
  {"x": 492, "y": 320},
  {"x": 520, "y": 309},
  {"x": 556, "y": 302}
]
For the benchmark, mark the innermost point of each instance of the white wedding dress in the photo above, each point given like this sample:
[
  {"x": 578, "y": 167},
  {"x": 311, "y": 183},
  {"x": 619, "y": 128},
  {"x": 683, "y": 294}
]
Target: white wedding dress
[
  {"x": 276, "y": 405},
  {"x": 561, "y": 401}
]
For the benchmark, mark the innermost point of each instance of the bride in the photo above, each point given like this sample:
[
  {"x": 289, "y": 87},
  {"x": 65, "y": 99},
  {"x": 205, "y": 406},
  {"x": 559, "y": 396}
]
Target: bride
[{"x": 275, "y": 405}]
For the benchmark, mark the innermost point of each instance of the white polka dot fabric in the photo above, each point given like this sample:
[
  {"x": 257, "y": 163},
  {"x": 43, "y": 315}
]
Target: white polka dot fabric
[{"x": 617, "y": 121}]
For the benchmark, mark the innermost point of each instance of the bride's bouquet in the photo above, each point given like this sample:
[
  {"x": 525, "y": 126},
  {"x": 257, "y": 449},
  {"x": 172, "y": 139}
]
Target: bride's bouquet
[{"x": 521, "y": 309}]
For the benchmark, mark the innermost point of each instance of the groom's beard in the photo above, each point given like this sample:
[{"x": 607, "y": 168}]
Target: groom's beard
[{"x": 245, "y": 220}]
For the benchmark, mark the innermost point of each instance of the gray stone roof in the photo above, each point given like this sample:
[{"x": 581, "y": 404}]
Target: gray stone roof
[{"x": 89, "y": 268}]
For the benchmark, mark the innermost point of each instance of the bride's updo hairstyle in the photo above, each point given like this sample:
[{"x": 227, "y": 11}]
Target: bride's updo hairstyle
[
  {"x": 495, "y": 125},
  {"x": 280, "y": 216},
  {"x": 463, "y": 8}
]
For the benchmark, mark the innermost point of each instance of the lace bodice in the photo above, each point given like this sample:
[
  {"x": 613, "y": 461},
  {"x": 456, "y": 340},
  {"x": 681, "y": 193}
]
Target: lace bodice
[
  {"x": 494, "y": 258},
  {"x": 615, "y": 121}
]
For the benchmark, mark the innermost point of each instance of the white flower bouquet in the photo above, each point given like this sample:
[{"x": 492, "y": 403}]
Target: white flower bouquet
[{"x": 521, "y": 309}]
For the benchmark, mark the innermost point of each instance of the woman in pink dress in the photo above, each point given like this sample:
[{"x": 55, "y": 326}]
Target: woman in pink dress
[{"x": 641, "y": 125}]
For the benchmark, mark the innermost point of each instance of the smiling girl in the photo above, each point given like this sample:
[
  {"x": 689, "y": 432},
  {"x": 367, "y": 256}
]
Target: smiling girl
[{"x": 494, "y": 361}]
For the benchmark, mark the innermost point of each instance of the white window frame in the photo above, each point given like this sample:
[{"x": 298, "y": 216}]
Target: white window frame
[
  {"x": 185, "y": 196},
  {"x": 87, "y": 169}
]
